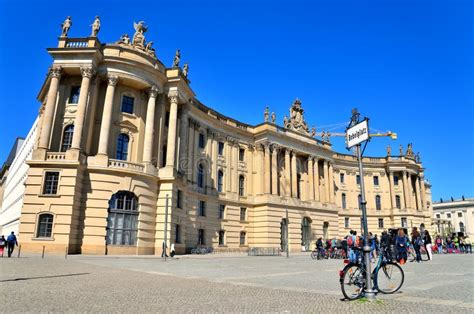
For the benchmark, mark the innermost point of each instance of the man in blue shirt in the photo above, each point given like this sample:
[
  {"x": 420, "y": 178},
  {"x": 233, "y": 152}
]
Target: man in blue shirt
[{"x": 11, "y": 242}]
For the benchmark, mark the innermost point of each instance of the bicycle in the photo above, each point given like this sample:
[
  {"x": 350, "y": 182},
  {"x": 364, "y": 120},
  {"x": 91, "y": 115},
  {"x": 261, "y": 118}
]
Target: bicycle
[
  {"x": 387, "y": 276},
  {"x": 319, "y": 254}
]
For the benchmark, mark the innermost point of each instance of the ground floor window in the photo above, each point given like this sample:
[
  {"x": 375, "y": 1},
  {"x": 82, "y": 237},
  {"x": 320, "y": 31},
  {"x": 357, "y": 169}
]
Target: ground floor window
[
  {"x": 122, "y": 221},
  {"x": 242, "y": 237},
  {"x": 346, "y": 222},
  {"x": 201, "y": 239},
  {"x": 45, "y": 226},
  {"x": 380, "y": 223},
  {"x": 221, "y": 237}
]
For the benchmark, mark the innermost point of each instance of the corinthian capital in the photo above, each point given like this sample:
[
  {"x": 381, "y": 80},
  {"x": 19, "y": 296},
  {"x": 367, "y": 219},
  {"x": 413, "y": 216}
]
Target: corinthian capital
[
  {"x": 112, "y": 80},
  {"x": 56, "y": 72},
  {"x": 154, "y": 91},
  {"x": 87, "y": 71}
]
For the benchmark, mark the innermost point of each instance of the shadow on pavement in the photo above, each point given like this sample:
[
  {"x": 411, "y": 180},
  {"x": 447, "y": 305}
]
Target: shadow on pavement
[{"x": 42, "y": 277}]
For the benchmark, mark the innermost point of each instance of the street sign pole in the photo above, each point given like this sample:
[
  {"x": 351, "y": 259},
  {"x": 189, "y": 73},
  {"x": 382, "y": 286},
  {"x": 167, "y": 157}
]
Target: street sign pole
[
  {"x": 165, "y": 240},
  {"x": 357, "y": 133},
  {"x": 287, "y": 236}
]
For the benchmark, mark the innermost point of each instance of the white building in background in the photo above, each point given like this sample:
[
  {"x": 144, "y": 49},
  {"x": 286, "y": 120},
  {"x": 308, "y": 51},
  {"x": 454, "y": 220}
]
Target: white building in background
[
  {"x": 14, "y": 184},
  {"x": 454, "y": 216}
]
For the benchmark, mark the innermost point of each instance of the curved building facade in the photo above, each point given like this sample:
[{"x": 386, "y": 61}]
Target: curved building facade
[{"x": 120, "y": 136}]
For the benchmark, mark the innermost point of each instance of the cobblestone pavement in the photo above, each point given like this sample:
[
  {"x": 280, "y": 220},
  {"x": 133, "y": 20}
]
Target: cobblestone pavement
[{"x": 220, "y": 283}]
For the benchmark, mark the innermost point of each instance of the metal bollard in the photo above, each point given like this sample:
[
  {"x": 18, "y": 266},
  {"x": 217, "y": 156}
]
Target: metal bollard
[
  {"x": 19, "y": 250},
  {"x": 42, "y": 255},
  {"x": 65, "y": 254}
]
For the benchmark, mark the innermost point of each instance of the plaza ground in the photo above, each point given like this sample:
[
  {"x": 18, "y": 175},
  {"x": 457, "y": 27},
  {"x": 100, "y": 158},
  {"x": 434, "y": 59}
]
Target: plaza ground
[{"x": 221, "y": 283}]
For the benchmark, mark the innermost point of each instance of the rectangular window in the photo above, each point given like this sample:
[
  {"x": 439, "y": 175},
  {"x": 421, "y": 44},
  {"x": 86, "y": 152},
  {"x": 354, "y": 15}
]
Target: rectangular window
[
  {"x": 398, "y": 202},
  {"x": 342, "y": 177},
  {"x": 344, "y": 204},
  {"x": 243, "y": 214},
  {"x": 346, "y": 222},
  {"x": 376, "y": 180},
  {"x": 220, "y": 149},
  {"x": 395, "y": 180},
  {"x": 404, "y": 222},
  {"x": 201, "y": 238},
  {"x": 378, "y": 202},
  {"x": 438, "y": 216},
  {"x": 358, "y": 179},
  {"x": 202, "y": 208},
  {"x": 201, "y": 140},
  {"x": 242, "y": 238},
  {"x": 74, "y": 96},
  {"x": 221, "y": 237},
  {"x": 380, "y": 223},
  {"x": 241, "y": 154},
  {"x": 221, "y": 211},
  {"x": 51, "y": 182},
  {"x": 459, "y": 214},
  {"x": 177, "y": 234},
  {"x": 179, "y": 199},
  {"x": 127, "y": 104},
  {"x": 448, "y": 215}
]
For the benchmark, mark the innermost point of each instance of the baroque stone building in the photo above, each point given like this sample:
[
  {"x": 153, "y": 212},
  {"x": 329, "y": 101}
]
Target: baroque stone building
[{"x": 120, "y": 135}]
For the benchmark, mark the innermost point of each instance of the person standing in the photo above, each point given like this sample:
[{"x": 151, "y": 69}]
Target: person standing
[
  {"x": 401, "y": 244},
  {"x": 3, "y": 242},
  {"x": 439, "y": 244},
  {"x": 416, "y": 242},
  {"x": 467, "y": 244},
  {"x": 428, "y": 245},
  {"x": 11, "y": 242}
]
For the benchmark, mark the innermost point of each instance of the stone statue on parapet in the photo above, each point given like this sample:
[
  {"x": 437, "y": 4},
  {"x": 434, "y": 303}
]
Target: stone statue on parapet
[
  {"x": 389, "y": 150},
  {"x": 139, "y": 37},
  {"x": 95, "y": 26},
  {"x": 323, "y": 136},
  {"x": 418, "y": 157},
  {"x": 185, "y": 70},
  {"x": 296, "y": 121},
  {"x": 401, "y": 150},
  {"x": 313, "y": 131},
  {"x": 177, "y": 58},
  {"x": 66, "y": 25},
  {"x": 149, "y": 49},
  {"x": 266, "y": 114},
  {"x": 410, "y": 150},
  {"x": 124, "y": 39},
  {"x": 274, "y": 117}
]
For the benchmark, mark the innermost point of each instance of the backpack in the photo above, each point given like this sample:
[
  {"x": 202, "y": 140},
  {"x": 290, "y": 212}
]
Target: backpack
[{"x": 350, "y": 243}]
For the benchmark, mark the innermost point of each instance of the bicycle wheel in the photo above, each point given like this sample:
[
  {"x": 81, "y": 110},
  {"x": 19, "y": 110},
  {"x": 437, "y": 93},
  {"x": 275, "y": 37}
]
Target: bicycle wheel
[
  {"x": 314, "y": 255},
  {"x": 390, "y": 278},
  {"x": 353, "y": 281}
]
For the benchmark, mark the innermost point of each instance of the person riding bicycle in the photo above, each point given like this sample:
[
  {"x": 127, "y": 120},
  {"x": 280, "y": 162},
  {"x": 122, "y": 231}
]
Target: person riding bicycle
[{"x": 320, "y": 245}]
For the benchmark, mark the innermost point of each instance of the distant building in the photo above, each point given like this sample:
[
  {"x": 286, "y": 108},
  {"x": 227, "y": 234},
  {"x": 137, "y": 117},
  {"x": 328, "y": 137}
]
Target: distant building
[
  {"x": 12, "y": 182},
  {"x": 454, "y": 216}
]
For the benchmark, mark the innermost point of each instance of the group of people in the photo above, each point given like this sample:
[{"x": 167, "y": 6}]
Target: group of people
[
  {"x": 454, "y": 244},
  {"x": 10, "y": 242}
]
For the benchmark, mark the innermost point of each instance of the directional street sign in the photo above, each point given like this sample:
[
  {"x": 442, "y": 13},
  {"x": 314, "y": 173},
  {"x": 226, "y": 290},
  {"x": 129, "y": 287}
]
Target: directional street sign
[{"x": 358, "y": 133}]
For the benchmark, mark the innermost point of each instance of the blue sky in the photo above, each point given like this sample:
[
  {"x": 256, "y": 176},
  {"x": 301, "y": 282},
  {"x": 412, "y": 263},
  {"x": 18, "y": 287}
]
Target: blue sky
[{"x": 408, "y": 65}]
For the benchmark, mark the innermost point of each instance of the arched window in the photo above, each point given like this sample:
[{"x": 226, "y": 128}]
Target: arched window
[
  {"x": 45, "y": 226},
  {"x": 378, "y": 202},
  {"x": 200, "y": 177},
  {"x": 241, "y": 185},
  {"x": 122, "y": 147},
  {"x": 122, "y": 221},
  {"x": 398, "y": 202},
  {"x": 461, "y": 227},
  {"x": 242, "y": 237},
  {"x": 343, "y": 199},
  {"x": 67, "y": 137},
  {"x": 359, "y": 198},
  {"x": 220, "y": 181}
]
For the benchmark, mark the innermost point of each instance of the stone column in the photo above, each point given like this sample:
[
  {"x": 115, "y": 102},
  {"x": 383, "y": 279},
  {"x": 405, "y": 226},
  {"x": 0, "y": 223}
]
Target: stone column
[
  {"x": 47, "y": 122},
  {"x": 406, "y": 190},
  {"x": 267, "y": 182},
  {"x": 317, "y": 190},
  {"x": 251, "y": 168},
  {"x": 326, "y": 181},
  {"x": 150, "y": 125},
  {"x": 112, "y": 81},
  {"x": 260, "y": 169},
  {"x": 171, "y": 145},
  {"x": 417, "y": 192},
  {"x": 287, "y": 173},
  {"x": 183, "y": 141},
  {"x": 190, "y": 167},
  {"x": 294, "y": 176},
  {"x": 197, "y": 152},
  {"x": 423, "y": 191},
  {"x": 275, "y": 169},
  {"x": 214, "y": 160},
  {"x": 87, "y": 73},
  {"x": 235, "y": 165},
  {"x": 209, "y": 148},
  {"x": 331, "y": 183},
  {"x": 311, "y": 178},
  {"x": 229, "y": 164},
  {"x": 392, "y": 190}
]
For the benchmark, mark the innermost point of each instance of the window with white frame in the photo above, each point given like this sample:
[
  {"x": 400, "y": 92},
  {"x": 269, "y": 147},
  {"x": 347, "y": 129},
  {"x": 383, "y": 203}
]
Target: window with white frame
[
  {"x": 45, "y": 226},
  {"x": 51, "y": 182}
]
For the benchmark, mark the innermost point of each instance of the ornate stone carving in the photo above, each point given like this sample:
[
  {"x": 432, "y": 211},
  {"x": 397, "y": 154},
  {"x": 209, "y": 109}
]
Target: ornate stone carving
[
  {"x": 173, "y": 98},
  {"x": 177, "y": 58},
  {"x": 139, "y": 36},
  {"x": 410, "y": 150},
  {"x": 250, "y": 147},
  {"x": 87, "y": 71},
  {"x": 154, "y": 91},
  {"x": 112, "y": 80},
  {"x": 266, "y": 114},
  {"x": 275, "y": 147},
  {"x": 66, "y": 25},
  {"x": 274, "y": 117},
  {"x": 95, "y": 26},
  {"x": 296, "y": 121},
  {"x": 56, "y": 72},
  {"x": 185, "y": 70},
  {"x": 124, "y": 39},
  {"x": 149, "y": 49}
]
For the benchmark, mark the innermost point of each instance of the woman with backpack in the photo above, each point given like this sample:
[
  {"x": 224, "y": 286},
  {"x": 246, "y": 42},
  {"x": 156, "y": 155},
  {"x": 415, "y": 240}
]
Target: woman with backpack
[
  {"x": 401, "y": 244},
  {"x": 417, "y": 242}
]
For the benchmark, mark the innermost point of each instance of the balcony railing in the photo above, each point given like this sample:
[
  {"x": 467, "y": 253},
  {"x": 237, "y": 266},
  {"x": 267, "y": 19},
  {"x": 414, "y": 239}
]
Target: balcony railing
[
  {"x": 120, "y": 164},
  {"x": 77, "y": 43},
  {"x": 53, "y": 156}
]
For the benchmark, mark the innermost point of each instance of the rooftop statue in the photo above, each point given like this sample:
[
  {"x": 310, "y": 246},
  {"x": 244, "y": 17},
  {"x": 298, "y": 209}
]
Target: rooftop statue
[
  {"x": 274, "y": 117},
  {"x": 313, "y": 131},
  {"x": 66, "y": 25},
  {"x": 139, "y": 37},
  {"x": 410, "y": 150},
  {"x": 95, "y": 26},
  {"x": 185, "y": 70},
  {"x": 177, "y": 58},
  {"x": 296, "y": 121},
  {"x": 266, "y": 114},
  {"x": 149, "y": 49},
  {"x": 401, "y": 150},
  {"x": 389, "y": 150},
  {"x": 124, "y": 39}
]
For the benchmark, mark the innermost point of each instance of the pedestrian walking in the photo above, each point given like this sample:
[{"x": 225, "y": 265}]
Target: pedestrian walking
[
  {"x": 416, "y": 242},
  {"x": 3, "y": 243},
  {"x": 11, "y": 242},
  {"x": 172, "y": 251},
  {"x": 428, "y": 245},
  {"x": 467, "y": 244}
]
